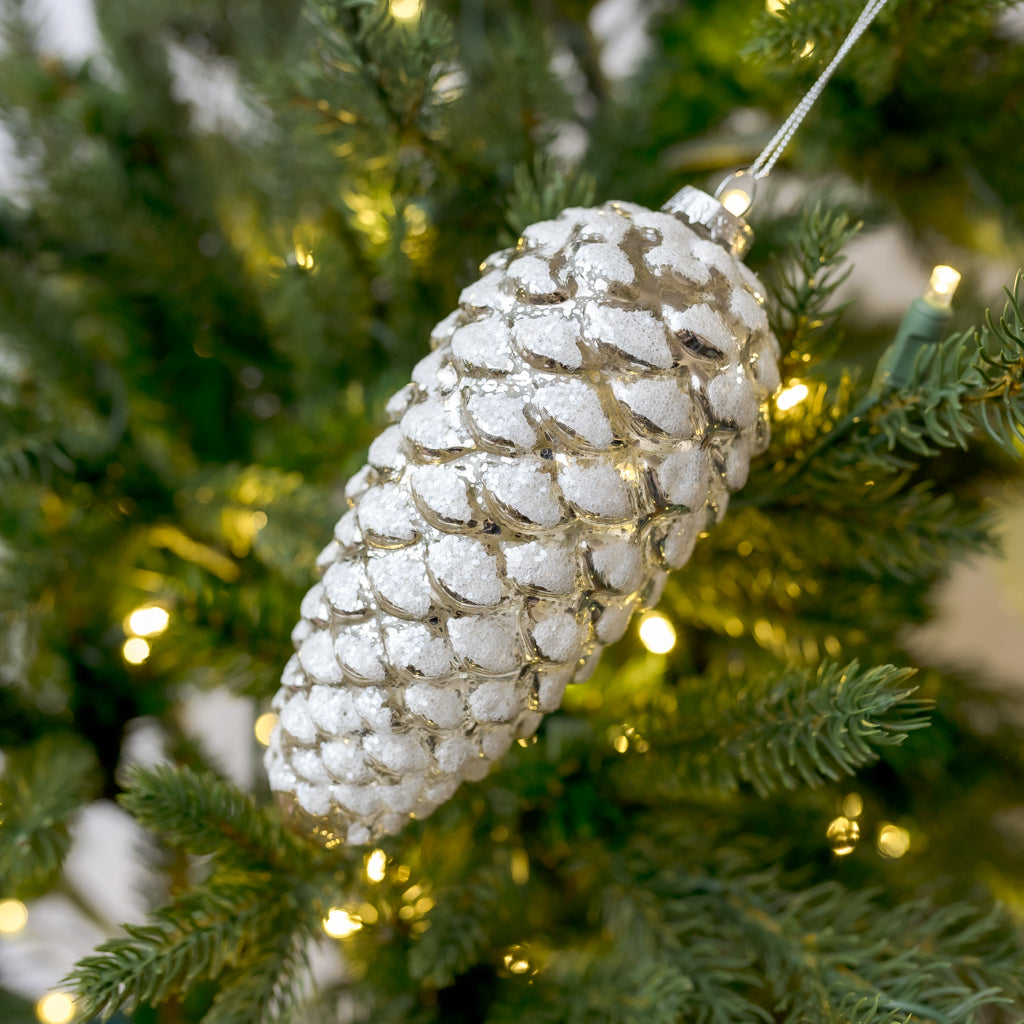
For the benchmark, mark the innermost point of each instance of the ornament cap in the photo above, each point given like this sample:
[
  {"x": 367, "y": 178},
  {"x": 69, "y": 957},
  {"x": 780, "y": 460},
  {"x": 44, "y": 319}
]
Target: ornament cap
[{"x": 712, "y": 219}]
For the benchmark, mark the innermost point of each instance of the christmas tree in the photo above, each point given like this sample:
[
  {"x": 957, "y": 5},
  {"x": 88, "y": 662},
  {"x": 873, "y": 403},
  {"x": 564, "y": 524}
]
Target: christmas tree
[{"x": 226, "y": 237}]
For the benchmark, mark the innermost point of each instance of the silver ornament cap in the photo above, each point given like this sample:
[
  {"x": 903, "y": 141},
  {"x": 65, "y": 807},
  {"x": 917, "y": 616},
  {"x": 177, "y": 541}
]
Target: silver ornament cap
[{"x": 708, "y": 217}]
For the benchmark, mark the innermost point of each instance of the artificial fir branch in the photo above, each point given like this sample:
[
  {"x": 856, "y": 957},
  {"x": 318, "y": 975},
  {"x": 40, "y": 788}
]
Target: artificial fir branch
[
  {"x": 803, "y": 283},
  {"x": 220, "y": 924},
  {"x": 203, "y": 815},
  {"x": 803, "y": 728},
  {"x": 42, "y": 786}
]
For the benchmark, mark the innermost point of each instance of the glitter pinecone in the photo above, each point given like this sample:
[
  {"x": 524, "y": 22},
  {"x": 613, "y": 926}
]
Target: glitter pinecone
[{"x": 582, "y": 418}]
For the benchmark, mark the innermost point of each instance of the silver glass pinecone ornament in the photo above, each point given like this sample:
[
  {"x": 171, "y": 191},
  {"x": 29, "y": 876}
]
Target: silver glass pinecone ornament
[{"x": 581, "y": 420}]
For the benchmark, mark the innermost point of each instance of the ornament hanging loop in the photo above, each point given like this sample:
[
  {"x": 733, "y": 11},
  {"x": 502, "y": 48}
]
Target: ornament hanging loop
[{"x": 741, "y": 183}]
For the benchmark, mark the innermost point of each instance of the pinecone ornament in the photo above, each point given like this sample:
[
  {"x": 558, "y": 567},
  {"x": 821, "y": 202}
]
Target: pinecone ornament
[{"x": 579, "y": 423}]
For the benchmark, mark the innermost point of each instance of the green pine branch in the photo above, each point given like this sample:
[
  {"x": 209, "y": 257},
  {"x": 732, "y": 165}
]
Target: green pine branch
[
  {"x": 541, "y": 190},
  {"x": 41, "y": 788},
  {"x": 802, "y": 284},
  {"x": 266, "y": 988},
  {"x": 204, "y": 815},
  {"x": 221, "y": 924},
  {"x": 802, "y": 728}
]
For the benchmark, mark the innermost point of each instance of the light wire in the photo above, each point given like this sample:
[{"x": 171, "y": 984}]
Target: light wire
[{"x": 769, "y": 156}]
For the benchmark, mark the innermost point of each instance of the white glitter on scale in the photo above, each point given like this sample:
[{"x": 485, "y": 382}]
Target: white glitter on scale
[
  {"x": 703, "y": 321},
  {"x": 526, "y": 488},
  {"x": 400, "y": 577},
  {"x": 636, "y": 333},
  {"x": 296, "y": 720},
  {"x": 345, "y": 762},
  {"x": 684, "y": 477},
  {"x": 317, "y": 657},
  {"x": 438, "y": 704},
  {"x": 442, "y": 490},
  {"x": 332, "y": 710},
  {"x": 484, "y": 344},
  {"x": 546, "y": 566},
  {"x": 467, "y": 569},
  {"x": 360, "y": 651},
  {"x": 488, "y": 641},
  {"x": 387, "y": 511},
  {"x": 550, "y": 337},
  {"x": 597, "y": 488},
  {"x": 557, "y": 638},
  {"x": 499, "y": 417},
  {"x": 733, "y": 400},
  {"x": 386, "y": 450},
  {"x": 435, "y": 426},
  {"x": 662, "y": 403},
  {"x": 494, "y": 701},
  {"x": 605, "y": 263},
  {"x": 575, "y": 407},
  {"x": 618, "y": 564},
  {"x": 549, "y": 235},
  {"x": 345, "y": 588},
  {"x": 411, "y": 646},
  {"x": 533, "y": 276}
]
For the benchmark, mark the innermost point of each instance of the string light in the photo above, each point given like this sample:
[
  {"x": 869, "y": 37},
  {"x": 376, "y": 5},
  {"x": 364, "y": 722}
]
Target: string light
[
  {"x": 135, "y": 650},
  {"x": 149, "y": 620},
  {"x": 376, "y": 865},
  {"x": 517, "y": 960},
  {"x": 736, "y": 201},
  {"x": 893, "y": 841},
  {"x": 55, "y": 1008},
  {"x": 406, "y": 10},
  {"x": 842, "y": 833},
  {"x": 657, "y": 634},
  {"x": 303, "y": 257},
  {"x": 853, "y": 805},
  {"x": 13, "y": 916},
  {"x": 340, "y": 924},
  {"x": 942, "y": 286},
  {"x": 776, "y": 6},
  {"x": 264, "y": 727},
  {"x": 791, "y": 396}
]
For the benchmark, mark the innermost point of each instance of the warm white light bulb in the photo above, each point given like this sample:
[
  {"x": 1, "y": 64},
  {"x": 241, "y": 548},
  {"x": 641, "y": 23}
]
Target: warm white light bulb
[
  {"x": 340, "y": 924},
  {"x": 657, "y": 634},
  {"x": 736, "y": 201},
  {"x": 406, "y": 10},
  {"x": 264, "y": 727},
  {"x": 13, "y": 916},
  {"x": 893, "y": 841},
  {"x": 56, "y": 1008},
  {"x": 149, "y": 620},
  {"x": 791, "y": 396},
  {"x": 942, "y": 287},
  {"x": 376, "y": 864},
  {"x": 135, "y": 650}
]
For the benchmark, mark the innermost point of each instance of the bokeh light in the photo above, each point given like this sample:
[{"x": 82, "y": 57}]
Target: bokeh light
[
  {"x": 55, "y": 1008},
  {"x": 13, "y": 916},
  {"x": 791, "y": 396},
  {"x": 264, "y": 727},
  {"x": 657, "y": 634},
  {"x": 340, "y": 924},
  {"x": 149, "y": 620},
  {"x": 135, "y": 650}
]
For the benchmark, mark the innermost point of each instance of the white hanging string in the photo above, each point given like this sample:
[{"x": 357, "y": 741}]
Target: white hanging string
[{"x": 769, "y": 156}]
